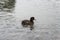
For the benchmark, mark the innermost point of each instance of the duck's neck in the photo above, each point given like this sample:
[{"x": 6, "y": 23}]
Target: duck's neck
[{"x": 31, "y": 20}]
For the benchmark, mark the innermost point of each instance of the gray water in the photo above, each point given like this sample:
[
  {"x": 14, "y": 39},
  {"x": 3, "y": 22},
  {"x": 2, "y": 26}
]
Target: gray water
[{"x": 46, "y": 27}]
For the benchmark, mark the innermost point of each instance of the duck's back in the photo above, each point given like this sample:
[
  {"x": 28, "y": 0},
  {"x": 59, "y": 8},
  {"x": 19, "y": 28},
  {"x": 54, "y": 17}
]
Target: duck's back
[{"x": 26, "y": 22}]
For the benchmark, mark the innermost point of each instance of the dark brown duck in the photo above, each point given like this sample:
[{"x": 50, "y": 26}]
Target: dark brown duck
[{"x": 26, "y": 23}]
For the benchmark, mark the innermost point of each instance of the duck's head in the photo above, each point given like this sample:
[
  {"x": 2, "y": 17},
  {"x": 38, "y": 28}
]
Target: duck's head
[{"x": 32, "y": 18}]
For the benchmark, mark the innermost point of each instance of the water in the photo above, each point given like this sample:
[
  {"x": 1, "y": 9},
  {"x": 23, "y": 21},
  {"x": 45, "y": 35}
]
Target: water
[{"x": 47, "y": 24}]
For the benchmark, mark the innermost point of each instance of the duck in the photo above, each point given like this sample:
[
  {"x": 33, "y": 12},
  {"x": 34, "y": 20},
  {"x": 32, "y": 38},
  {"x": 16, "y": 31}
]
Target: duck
[{"x": 30, "y": 23}]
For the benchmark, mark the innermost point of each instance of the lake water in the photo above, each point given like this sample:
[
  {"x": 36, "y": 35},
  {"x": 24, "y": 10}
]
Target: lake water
[{"x": 47, "y": 24}]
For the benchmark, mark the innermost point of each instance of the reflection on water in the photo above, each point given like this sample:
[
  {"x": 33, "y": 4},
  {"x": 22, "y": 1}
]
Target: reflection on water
[
  {"x": 6, "y": 10},
  {"x": 7, "y": 5}
]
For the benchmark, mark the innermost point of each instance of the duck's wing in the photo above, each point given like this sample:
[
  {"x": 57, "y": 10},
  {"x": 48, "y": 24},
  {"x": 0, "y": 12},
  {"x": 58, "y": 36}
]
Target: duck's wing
[{"x": 25, "y": 22}]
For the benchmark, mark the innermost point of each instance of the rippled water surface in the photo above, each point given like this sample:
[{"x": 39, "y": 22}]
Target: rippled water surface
[{"x": 46, "y": 27}]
